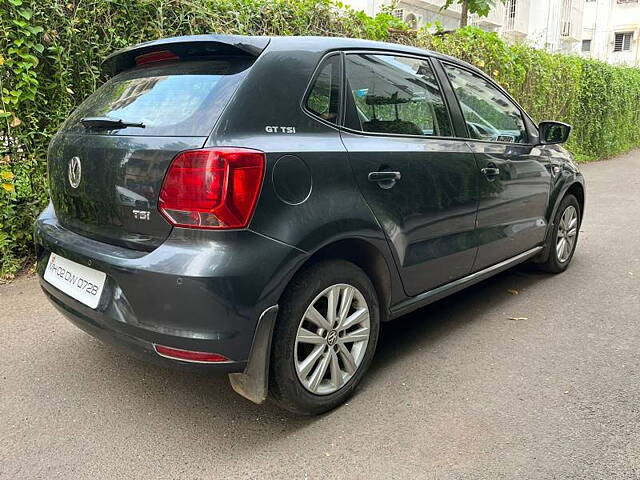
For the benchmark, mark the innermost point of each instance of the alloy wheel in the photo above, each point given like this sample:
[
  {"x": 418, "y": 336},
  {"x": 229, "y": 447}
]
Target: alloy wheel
[
  {"x": 567, "y": 234},
  {"x": 332, "y": 339}
]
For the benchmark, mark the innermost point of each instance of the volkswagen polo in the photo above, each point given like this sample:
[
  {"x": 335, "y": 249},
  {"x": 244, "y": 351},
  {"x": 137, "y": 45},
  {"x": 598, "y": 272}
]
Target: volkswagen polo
[{"x": 258, "y": 206}]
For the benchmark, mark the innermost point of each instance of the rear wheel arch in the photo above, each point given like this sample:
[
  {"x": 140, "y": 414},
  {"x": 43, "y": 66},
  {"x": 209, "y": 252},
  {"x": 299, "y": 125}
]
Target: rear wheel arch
[
  {"x": 253, "y": 383},
  {"x": 365, "y": 256}
]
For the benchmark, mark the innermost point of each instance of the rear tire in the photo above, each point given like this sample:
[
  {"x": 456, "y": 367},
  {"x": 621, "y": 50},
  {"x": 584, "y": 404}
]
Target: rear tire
[
  {"x": 564, "y": 237},
  {"x": 318, "y": 361}
]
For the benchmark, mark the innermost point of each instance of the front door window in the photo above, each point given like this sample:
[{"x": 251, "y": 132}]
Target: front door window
[{"x": 488, "y": 113}]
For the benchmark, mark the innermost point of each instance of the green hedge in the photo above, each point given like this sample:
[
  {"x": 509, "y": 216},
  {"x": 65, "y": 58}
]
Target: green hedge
[{"x": 51, "y": 50}]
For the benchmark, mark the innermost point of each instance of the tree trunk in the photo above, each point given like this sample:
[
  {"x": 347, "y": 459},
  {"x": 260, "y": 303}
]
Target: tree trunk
[{"x": 465, "y": 14}]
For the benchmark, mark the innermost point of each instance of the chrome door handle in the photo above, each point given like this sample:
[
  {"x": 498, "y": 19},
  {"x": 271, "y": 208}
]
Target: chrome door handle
[
  {"x": 384, "y": 180},
  {"x": 490, "y": 172},
  {"x": 384, "y": 176}
]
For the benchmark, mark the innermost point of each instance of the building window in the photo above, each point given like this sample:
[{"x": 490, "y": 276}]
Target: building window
[
  {"x": 398, "y": 13},
  {"x": 622, "y": 42},
  {"x": 510, "y": 15},
  {"x": 566, "y": 18},
  {"x": 586, "y": 45},
  {"x": 411, "y": 20}
]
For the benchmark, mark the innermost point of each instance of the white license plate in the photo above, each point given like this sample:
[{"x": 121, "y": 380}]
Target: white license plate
[{"x": 82, "y": 283}]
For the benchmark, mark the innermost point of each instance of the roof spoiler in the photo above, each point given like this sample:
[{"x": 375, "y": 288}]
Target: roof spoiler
[{"x": 187, "y": 46}]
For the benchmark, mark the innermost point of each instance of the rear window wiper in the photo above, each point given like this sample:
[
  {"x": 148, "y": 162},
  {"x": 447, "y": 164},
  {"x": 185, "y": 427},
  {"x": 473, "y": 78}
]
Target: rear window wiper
[{"x": 108, "y": 123}]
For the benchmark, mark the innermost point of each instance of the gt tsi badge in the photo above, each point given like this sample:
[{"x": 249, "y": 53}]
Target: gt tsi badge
[{"x": 279, "y": 129}]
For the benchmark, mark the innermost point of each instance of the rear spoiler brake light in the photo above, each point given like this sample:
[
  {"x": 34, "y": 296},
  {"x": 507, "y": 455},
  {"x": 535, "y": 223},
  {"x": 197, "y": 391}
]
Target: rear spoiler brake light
[{"x": 157, "y": 56}]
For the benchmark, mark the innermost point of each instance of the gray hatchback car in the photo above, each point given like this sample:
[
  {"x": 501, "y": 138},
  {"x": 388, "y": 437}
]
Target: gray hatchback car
[{"x": 258, "y": 206}]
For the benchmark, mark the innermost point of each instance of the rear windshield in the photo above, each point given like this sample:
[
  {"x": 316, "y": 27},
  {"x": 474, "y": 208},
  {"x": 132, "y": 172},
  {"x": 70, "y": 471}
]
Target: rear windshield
[{"x": 179, "y": 99}]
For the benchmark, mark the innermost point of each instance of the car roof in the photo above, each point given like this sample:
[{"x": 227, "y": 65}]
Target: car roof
[
  {"x": 338, "y": 43},
  {"x": 255, "y": 45}
]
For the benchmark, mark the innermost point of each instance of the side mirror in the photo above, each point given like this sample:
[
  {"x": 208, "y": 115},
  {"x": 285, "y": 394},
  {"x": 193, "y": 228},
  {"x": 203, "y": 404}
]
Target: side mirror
[{"x": 552, "y": 133}]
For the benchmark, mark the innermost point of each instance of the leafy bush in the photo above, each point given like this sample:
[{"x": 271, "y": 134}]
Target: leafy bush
[{"x": 50, "y": 61}]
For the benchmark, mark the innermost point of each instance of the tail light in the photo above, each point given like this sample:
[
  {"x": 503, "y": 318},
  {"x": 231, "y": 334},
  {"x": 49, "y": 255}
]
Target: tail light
[{"x": 212, "y": 188}]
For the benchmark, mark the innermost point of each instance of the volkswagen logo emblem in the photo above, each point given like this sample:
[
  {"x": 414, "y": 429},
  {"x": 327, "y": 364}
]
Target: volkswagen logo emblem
[
  {"x": 75, "y": 172},
  {"x": 332, "y": 337}
]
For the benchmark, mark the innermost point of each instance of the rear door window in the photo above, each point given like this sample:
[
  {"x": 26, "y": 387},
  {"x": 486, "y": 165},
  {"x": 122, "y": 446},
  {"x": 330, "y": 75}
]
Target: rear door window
[
  {"x": 179, "y": 99},
  {"x": 395, "y": 95}
]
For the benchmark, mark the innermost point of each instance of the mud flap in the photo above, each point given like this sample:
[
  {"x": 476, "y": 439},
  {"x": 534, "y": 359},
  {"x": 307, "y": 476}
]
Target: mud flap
[{"x": 253, "y": 383}]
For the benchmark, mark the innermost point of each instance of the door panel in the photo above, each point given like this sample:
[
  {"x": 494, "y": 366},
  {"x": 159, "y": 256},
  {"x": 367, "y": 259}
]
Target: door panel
[
  {"x": 421, "y": 186},
  {"x": 512, "y": 208},
  {"x": 514, "y": 179},
  {"x": 429, "y": 214}
]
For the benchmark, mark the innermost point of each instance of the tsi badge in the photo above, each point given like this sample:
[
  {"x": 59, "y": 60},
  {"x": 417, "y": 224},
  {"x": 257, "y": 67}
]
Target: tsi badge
[
  {"x": 75, "y": 172},
  {"x": 141, "y": 214}
]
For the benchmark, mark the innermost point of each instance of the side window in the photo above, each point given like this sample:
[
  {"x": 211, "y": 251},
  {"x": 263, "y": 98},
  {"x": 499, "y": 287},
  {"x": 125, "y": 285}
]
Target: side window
[
  {"x": 324, "y": 97},
  {"x": 488, "y": 113},
  {"x": 394, "y": 94}
]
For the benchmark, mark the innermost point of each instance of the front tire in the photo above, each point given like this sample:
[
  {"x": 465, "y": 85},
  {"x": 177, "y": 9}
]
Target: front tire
[
  {"x": 324, "y": 338},
  {"x": 564, "y": 237}
]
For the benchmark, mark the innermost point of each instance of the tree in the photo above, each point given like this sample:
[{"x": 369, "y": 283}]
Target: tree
[{"x": 480, "y": 7}]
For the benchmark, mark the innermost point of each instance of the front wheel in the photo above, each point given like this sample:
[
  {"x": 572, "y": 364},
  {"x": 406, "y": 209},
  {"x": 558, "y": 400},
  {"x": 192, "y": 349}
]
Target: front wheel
[
  {"x": 564, "y": 237},
  {"x": 325, "y": 337}
]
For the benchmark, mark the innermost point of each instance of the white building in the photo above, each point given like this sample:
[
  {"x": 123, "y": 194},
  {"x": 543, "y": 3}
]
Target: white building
[
  {"x": 416, "y": 13},
  {"x": 610, "y": 31},
  {"x": 555, "y": 25}
]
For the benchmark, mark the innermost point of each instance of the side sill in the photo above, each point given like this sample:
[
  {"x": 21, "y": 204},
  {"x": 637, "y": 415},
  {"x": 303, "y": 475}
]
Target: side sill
[{"x": 425, "y": 298}]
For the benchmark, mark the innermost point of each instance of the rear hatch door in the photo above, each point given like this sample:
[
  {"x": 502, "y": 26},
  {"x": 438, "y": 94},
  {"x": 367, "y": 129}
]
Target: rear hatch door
[{"x": 105, "y": 180}]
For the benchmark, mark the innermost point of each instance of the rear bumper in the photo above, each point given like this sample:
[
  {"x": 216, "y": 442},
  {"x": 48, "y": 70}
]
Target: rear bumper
[
  {"x": 136, "y": 342},
  {"x": 201, "y": 291}
]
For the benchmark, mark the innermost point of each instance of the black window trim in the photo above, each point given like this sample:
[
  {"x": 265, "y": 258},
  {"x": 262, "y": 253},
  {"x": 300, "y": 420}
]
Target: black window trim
[
  {"x": 437, "y": 65},
  {"x": 529, "y": 125},
  {"x": 426, "y": 58},
  {"x": 311, "y": 84}
]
